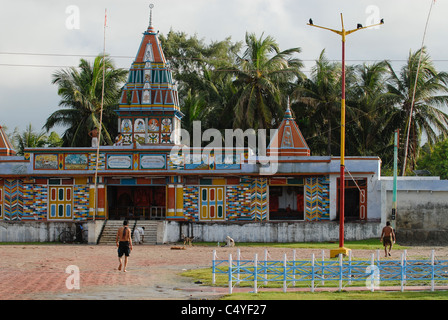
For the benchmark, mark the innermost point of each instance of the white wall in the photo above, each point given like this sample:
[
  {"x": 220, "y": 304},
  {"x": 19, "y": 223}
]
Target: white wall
[
  {"x": 271, "y": 231},
  {"x": 422, "y": 208},
  {"x": 39, "y": 231}
]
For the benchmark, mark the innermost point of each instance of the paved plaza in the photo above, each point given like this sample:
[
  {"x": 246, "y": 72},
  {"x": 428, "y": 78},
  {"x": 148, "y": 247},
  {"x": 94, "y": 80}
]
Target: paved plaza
[{"x": 30, "y": 272}]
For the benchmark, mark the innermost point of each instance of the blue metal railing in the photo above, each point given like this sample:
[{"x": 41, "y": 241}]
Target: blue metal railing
[{"x": 313, "y": 271}]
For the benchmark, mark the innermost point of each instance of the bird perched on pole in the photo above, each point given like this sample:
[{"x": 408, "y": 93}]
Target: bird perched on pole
[{"x": 310, "y": 21}]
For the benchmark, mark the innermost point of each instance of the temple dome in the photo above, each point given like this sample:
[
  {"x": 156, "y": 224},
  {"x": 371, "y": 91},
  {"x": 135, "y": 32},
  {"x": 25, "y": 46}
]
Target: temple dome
[{"x": 288, "y": 140}]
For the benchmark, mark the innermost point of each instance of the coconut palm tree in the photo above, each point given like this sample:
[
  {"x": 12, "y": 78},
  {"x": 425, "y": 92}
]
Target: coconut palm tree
[
  {"x": 28, "y": 139},
  {"x": 194, "y": 108},
  {"x": 81, "y": 95},
  {"x": 368, "y": 129},
  {"x": 425, "y": 115},
  {"x": 317, "y": 104},
  {"x": 260, "y": 75}
]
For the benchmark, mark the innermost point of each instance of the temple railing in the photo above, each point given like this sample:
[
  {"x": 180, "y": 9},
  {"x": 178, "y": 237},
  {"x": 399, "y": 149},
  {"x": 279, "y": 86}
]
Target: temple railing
[{"x": 137, "y": 213}]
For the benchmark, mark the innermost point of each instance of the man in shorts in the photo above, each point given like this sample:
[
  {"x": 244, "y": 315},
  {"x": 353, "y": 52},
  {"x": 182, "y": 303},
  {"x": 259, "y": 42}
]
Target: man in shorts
[
  {"x": 124, "y": 244},
  {"x": 387, "y": 236}
]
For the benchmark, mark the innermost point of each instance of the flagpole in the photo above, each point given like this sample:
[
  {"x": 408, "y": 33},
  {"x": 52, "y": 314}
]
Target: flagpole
[
  {"x": 394, "y": 194},
  {"x": 101, "y": 119},
  {"x": 403, "y": 173}
]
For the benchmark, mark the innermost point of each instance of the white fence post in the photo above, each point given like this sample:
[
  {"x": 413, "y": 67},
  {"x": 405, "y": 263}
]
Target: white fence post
[
  {"x": 255, "y": 273},
  {"x": 230, "y": 273},
  {"x": 294, "y": 266},
  {"x": 323, "y": 267},
  {"x": 284, "y": 273},
  {"x": 312, "y": 272},
  {"x": 402, "y": 272},
  {"x": 404, "y": 264},
  {"x": 214, "y": 267},
  {"x": 340, "y": 272},
  {"x": 238, "y": 261},
  {"x": 350, "y": 267},
  {"x": 265, "y": 266},
  {"x": 372, "y": 281},
  {"x": 432, "y": 270}
]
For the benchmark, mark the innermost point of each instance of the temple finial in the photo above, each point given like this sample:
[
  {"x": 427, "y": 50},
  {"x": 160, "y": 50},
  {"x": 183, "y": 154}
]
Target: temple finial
[
  {"x": 150, "y": 14},
  {"x": 288, "y": 112}
]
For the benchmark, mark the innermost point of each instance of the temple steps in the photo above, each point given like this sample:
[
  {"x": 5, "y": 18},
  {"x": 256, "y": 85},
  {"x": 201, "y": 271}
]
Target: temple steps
[{"x": 111, "y": 227}]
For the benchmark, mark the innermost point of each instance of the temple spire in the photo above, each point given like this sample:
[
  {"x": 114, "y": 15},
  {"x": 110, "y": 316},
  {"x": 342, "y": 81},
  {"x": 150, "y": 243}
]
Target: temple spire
[
  {"x": 288, "y": 139},
  {"x": 150, "y": 14},
  {"x": 288, "y": 112}
]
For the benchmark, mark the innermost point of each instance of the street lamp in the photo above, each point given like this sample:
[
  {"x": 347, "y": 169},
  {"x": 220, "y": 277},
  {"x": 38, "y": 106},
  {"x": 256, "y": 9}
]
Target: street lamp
[{"x": 343, "y": 33}]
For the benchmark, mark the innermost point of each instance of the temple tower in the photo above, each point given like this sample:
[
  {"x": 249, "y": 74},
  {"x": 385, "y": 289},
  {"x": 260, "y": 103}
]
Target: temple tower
[
  {"x": 288, "y": 140},
  {"x": 5, "y": 145},
  {"x": 149, "y": 109}
]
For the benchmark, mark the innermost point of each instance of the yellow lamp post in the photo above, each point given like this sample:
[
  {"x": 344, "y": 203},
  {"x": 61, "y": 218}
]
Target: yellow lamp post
[{"x": 343, "y": 33}]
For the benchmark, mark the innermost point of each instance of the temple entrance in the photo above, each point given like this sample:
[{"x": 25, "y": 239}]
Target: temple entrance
[
  {"x": 286, "y": 203},
  {"x": 137, "y": 202},
  {"x": 355, "y": 202}
]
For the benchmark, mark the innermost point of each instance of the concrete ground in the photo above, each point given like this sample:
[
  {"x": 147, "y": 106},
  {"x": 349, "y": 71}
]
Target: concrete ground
[{"x": 44, "y": 272}]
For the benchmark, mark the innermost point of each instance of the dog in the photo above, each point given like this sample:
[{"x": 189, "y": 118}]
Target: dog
[
  {"x": 187, "y": 240},
  {"x": 230, "y": 242}
]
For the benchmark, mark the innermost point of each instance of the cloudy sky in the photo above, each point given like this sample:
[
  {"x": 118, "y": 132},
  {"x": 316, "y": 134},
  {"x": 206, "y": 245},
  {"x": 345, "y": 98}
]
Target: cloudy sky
[{"x": 40, "y": 37}]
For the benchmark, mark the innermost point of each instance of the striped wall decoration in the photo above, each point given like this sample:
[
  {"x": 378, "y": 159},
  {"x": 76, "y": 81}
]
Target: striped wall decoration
[
  {"x": 13, "y": 201},
  {"x": 40, "y": 202},
  {"x": 191, "y": 203},
  {"x": 28, "y": 202},
  {"x": 238, "y": 200},
  {"x": 101, "y": 161},
  {"x": 317, "y": 199},
  {"x": 81, "y": 202},
  {"x": 259, "y": 199}
]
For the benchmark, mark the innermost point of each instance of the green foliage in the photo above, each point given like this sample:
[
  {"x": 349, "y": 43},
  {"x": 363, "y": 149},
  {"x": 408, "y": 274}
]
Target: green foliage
[
  {"x": 31, "y": 139},
  {"x": 80, "y": 90},
  {"x": 227, "y": 84},
  {"x": 435, "y": 160},
  {"x": 236, "y": 85},
  {"x": 261, "y": 75}
]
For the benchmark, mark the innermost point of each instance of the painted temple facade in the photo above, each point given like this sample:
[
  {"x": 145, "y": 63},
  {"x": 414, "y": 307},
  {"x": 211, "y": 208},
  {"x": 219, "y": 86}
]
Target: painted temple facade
[{"x": 143, "y": 179}]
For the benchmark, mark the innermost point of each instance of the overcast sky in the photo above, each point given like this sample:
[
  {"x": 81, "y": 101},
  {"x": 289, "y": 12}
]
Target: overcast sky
[{"x": 38, "y": 37}]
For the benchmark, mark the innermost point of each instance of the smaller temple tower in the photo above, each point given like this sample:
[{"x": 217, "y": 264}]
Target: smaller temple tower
[
  {"x": 149, "y": 109},
  {"x": 288, "y": 141},
  {"x": 5, "y": 145}
]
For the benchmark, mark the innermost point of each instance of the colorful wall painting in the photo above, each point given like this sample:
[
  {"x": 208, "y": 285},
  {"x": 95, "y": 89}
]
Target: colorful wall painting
[
  {"x": 46, "y": 162},
  {"x": 227, "y": 162},
  {"x": 119, "y": 162},
  {"x": 140, "y": 138},
  {"x": 126, "y": 126},
  {"x": 152, "y": 161},
  {"x": 76, "y": 161},
  {"x": 153, "y": 138},
  {"x": 196, "y": 162},
  {"x": 139, "y": 125},
  {"x": 153, "y": 125}
]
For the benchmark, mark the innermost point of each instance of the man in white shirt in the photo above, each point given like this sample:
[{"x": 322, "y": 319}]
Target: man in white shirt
[{"x": 139, "y": 234}]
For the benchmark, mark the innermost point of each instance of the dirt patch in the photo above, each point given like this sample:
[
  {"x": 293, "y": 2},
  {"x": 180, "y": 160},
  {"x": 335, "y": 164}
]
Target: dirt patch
[{"x": 39, "y": 271}]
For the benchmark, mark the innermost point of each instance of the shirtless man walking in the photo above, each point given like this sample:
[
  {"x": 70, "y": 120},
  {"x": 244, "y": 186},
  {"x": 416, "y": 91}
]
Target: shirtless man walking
[
  {"x": 387, "y": 236},
  {"x": 124, "y": 244}
]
